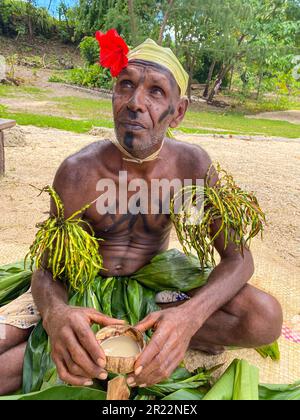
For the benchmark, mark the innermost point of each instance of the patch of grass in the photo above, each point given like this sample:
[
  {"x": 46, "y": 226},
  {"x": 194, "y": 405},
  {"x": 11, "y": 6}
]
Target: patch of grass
[
  {"x": 33, "y": 90},
  {"x": 268, "y": 105},
  {"x": 194, "y": 122},
  {"x": 207, "y": 131},
  {"x": 85, "y": 107},
  {"x": 67, "y": 124},
  {"x": 3, "y": 109},
  {"x": 237, "y": 122},
  {"x": 83, "y": 126},
  {"x": 13, "y": 91},
  {"x": 6, "y": 90},
  {"x": 279, "y": 102},
  {"x": 98, "y": 112}
]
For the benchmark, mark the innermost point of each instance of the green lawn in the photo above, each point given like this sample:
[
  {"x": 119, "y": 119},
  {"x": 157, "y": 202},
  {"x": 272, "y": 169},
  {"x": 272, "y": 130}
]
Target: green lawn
[
  {"x": 61, "y": 123},
  {"x": 84, "y": 107},
  {"x": 7, "y": 91},
  {"x": 278, "y": 128},
  {"x": 237, "y": 122},
  {"x": 81, "y": 114}
]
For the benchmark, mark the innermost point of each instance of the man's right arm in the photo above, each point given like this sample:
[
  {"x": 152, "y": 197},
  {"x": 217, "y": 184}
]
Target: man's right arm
[
  {"x": 74, "y": 348},
  {"x": 48, "y": 294}
]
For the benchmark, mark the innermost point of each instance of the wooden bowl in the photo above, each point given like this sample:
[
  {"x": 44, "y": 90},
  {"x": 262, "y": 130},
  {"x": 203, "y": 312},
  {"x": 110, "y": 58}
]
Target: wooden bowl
[{"x": 120, "y": 364}]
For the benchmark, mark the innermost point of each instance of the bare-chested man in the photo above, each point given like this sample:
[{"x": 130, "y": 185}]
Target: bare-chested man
[{"x": 225, "y": 312}]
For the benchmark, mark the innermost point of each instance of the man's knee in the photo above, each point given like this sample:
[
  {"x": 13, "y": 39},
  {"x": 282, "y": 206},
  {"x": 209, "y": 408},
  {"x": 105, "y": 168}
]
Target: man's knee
[
  {"x": 263, "y": 321},
  {"x": 11, "y": 337},
  {"x": 11, "y": 368}
]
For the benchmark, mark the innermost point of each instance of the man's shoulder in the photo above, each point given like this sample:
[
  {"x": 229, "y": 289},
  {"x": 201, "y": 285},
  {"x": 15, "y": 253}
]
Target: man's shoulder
[
  {"x": 76, "y": 166},
  {"x": 78, "y": 174},
  {"x": 192, "y": 156}
]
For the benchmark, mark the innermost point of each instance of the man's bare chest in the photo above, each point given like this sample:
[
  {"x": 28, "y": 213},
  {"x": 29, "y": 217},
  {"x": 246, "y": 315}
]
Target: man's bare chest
[{"x": 132, "y": 205}]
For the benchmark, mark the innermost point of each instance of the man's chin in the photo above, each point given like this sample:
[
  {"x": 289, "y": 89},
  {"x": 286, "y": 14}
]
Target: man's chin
[
  {"x": 133, "y": 142},
  {"x": 137, "y": 144}
]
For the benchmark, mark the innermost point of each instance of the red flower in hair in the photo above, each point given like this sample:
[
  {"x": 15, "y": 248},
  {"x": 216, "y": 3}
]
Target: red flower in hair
[{"x": 113, "y": 51}]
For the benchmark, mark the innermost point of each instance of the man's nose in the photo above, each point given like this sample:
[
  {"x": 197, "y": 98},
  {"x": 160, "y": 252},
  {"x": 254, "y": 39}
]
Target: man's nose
[{"x": 137, "y": 101}]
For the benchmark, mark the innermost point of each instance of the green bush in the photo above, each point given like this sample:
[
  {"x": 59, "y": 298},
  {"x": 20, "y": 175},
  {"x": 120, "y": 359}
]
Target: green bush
[
  {"x": 57, "y": 78},
  {"x": 89, "y": 50},
  {"x": 90, "y": 76}
]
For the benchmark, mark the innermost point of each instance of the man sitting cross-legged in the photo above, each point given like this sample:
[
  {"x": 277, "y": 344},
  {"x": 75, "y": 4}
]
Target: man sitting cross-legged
[{"x": 148, "y": 99}]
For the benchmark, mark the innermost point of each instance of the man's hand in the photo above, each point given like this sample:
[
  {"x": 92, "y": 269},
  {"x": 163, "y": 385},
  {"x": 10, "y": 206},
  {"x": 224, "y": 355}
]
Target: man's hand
[
  {"x": 167, "y": 347},
  {"x": 75, "y": 350}
]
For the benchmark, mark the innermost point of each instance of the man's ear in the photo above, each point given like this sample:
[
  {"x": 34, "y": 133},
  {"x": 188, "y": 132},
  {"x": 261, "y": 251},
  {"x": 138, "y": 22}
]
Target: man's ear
[{"x": 182, "y": 107}]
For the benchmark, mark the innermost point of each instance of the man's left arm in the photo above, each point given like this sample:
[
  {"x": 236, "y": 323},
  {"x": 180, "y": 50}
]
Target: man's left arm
[{"x": 224, "y": 283}]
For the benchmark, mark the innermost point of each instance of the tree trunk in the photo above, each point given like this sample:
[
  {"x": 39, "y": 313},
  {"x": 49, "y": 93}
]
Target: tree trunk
[
  {"x": 165, "y": 21},
  {"x": 132, "y": 20},
  {"x": 259, "y": 85},
  {"x": 225, "y": 69},
  {"x": 231, "y": 79},
  {"x": 30, "y": 28},
  {"x": 261, "y": 73},
  {"x": 189, "y": 88},
  {"x": 209, "y": 77},
  {"x": 190, "y": 63},
  {"x": 29, "y": 18}
]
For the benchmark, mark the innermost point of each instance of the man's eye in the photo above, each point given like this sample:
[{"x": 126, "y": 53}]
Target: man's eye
[
  {"x": 126, "y": 84},
  {"x": 157, "y": 91}
]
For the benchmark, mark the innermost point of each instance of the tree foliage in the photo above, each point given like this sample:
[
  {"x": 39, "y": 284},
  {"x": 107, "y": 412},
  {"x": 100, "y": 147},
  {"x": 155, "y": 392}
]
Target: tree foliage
[{"x": 244, "y": 41}]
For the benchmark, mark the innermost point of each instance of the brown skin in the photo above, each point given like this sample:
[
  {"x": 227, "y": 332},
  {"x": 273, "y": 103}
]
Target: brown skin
[{"x": 226, "y": 311}]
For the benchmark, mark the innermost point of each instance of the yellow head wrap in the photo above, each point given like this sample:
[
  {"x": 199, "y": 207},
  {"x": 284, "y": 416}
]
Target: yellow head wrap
[{"x": 150, "y": 51}]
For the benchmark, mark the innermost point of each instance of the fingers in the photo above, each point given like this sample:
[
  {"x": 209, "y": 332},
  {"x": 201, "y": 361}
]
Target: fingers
[
  {"x": 68, "y": 377},
  {"x": 101, "y": 319},
  {"x": 81, "y": 358},
  {"x": 88, "y": 341},
  {"x": 73, "y": 368},
  {"x": 158, "y": 375},
  {"x": 153, "y": 348},
  {"x": 161, "y": 356},
  {"x": 76, "y": 370},
  {"x": 168, "y": 363},
  {"x": 148, "y": 322},
  {"x": 160, "y": 369},
  {"x": 159, "y": 363}
]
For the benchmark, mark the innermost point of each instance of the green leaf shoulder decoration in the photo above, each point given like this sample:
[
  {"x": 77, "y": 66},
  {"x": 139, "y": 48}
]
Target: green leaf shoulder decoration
[
  {"x": 238, "y": 213},
  {"x": 65, "y": 248}
]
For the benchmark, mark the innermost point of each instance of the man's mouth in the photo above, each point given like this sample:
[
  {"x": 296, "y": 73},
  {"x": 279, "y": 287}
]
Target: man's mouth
[{"x": 132, "y": 125}]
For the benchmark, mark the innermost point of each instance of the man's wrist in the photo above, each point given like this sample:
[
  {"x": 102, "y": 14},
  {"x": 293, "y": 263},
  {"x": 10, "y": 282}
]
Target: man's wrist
[
  {"x": 51, "y": 312},
  {"x": 194, "y": 321}
]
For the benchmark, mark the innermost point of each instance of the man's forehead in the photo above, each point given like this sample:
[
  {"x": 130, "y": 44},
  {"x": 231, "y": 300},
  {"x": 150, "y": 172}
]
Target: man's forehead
[{"x": 154, "y": 70}]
